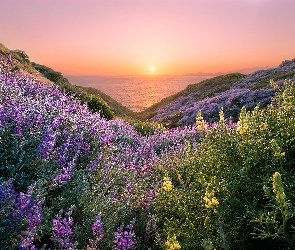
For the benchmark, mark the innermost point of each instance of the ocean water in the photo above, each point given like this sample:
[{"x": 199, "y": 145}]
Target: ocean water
[{"x": 137, "y": 92}]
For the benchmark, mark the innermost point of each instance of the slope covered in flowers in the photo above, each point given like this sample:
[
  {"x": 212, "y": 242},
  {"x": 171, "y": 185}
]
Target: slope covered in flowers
[
  {"x": 71, "y": 179},
  {"x": 95, "y": 99},
  {"x": 231, "y": 92},
  {"x": 63, "y": 167}
]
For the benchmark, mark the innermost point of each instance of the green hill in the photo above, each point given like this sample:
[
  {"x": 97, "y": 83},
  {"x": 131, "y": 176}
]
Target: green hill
[
  {"x": 206, "y": 88},
  {"x": 230, "y": 92}
]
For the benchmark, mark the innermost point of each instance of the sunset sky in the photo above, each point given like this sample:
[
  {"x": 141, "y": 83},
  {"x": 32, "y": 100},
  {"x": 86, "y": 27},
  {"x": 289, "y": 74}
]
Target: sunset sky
[{"x": 128, "y": 37}]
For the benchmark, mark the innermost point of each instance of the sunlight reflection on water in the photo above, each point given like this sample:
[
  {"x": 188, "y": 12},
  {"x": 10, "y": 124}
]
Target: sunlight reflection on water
[{"x": 137, "y": 92}]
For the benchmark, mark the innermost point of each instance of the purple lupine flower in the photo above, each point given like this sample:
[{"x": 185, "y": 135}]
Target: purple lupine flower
[
  {"x": 151, "y": 223},
  {"x": 97, "y": 228},
  {"x": 57, "y": 122},
  {"x": 93, "y": 164},
  {"x": 22, "y": 212},
  {"x": 149, "y": 197},
  {"x": 62, "y": 229},
  {"x": 129, "y": 187},
  {"x": 47, "y": 144},
  {"x": 63, "y": 177},
  {"x": 97, "y": 232},
  {"x": 124, "y": 239}
]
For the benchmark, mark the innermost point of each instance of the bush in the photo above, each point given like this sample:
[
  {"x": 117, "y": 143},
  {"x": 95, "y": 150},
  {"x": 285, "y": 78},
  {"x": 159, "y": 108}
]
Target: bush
[
  {"x": 19, "y": 53},
  {"x": 145, "y": 128}
]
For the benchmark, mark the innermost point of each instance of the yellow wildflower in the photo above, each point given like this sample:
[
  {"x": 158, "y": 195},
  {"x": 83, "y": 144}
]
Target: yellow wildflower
[
  {"x": 278, "y": 188},
  {"x": 172, "y": 243},
  {"x": 210, "y": 199},
  {"x": 167, "y": 184},
  {"x": 263, "y": 126},
  {"x": 200, "y": 121},
  {"x": 214, "y": 201},
  {"x": 242, "y": 126}
]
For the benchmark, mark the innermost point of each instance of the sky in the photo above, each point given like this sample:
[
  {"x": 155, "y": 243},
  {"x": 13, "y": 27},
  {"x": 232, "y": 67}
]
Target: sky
[{"x": 129, "y": 37}]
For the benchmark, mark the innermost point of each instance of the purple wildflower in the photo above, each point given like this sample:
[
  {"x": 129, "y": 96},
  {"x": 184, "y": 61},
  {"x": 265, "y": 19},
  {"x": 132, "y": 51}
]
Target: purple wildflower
[
  {"x": 64, "y": 175},
  {"x": 97, "y": 232},
  {"x": 124, "y": 239},
  {"x": 22, "y": 214},
  {"x": 9, "y": 59},
  {"x": 62, "y": 230}
]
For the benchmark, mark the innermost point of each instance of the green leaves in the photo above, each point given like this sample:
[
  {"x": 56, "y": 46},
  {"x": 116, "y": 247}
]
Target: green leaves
[{"x": 277, "y": 219}]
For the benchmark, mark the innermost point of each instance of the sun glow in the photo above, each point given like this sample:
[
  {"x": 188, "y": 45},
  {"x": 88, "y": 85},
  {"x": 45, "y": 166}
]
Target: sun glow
[{"x": 152, "y": 69}]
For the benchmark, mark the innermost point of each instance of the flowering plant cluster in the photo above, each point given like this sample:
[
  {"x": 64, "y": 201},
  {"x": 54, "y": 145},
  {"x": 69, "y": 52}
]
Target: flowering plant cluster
[
  {"x": 20, "y": 212},
  {"x": 62, "y": 230}
]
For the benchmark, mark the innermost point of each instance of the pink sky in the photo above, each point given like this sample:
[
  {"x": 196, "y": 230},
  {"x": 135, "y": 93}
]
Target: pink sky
[{"x": 128, "y": 37}]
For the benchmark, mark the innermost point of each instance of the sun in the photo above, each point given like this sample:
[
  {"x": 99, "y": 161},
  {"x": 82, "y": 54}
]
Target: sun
[{"x": 152, "y": 69}]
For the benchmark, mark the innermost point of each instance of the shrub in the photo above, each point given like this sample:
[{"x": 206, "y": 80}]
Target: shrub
[
  {"x": 145, "y": 128},
  {"x": 21, "y": 54}
]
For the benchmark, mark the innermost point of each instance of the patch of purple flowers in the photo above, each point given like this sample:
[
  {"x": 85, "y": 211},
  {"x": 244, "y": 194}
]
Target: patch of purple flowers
[
  {"x": 62, "y": 230},
  {"x": 125, "y": 239},
  {"x": 97, "y": 232},
  {"x": 21, "y": 213}
]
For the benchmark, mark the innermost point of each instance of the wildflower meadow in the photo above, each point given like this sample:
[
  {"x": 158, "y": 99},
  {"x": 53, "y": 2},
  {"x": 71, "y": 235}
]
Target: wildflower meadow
[{"x": 71, "y": 179}]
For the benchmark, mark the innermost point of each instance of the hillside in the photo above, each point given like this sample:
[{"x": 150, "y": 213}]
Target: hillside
[
  {"x": 95, "y": 99},
  {"x": 232, "y": 92}
]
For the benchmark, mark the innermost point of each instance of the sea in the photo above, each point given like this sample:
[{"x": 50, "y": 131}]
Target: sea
[{"x": 137, "y": 92}]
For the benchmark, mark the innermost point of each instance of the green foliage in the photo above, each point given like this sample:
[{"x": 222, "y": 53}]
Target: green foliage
[
  {"x": 273, "y": 77},
  {"x": 21, "y": 55},
  {"x": 145, "y": 128},
  {"x": 49, "y": 73},
  {"x": 277, "y": 221},
  {"x": 171, "y": 121},
  {"x": 96, "y": 104},
  {"x": 218, "y": 186}
]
